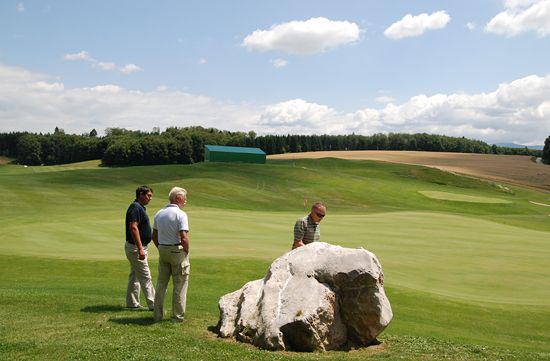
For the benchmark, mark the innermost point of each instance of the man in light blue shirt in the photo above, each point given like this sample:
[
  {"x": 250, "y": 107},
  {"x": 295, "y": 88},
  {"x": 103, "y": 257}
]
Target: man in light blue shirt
[{"x": 171, "y": 236}]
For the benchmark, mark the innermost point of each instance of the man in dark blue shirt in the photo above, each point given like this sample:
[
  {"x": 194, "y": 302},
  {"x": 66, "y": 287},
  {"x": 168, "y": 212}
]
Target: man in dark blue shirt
[{"x": 138, "y": 236}]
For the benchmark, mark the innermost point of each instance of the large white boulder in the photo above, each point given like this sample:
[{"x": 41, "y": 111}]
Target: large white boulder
[{"x": 316, "y": 297}]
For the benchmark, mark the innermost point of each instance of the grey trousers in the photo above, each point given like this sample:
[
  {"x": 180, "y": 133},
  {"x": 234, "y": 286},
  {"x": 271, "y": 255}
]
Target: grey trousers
[
  {"x": 173, "y": 261},
  {"x": 139, "y": 278}
]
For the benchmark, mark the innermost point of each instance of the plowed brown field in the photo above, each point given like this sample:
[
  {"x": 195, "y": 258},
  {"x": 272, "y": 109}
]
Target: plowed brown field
[{"x": 514, "y": 169}]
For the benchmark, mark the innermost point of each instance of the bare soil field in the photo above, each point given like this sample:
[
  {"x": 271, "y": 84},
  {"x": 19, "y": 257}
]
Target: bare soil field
[{"x": 513, "y": 169}]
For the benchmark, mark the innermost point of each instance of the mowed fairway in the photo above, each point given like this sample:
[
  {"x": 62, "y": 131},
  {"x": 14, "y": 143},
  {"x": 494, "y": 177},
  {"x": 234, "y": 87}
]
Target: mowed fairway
[{"x": 465, "y": 260}]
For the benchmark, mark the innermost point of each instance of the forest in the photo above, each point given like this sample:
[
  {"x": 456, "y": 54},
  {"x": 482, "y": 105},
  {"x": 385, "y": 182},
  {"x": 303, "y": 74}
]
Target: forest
[{"x": 123, "y": 147}]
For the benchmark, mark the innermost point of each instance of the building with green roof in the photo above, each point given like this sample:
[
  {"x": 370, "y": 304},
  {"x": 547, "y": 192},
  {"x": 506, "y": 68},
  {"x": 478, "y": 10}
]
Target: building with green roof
[{"x": 219, "y": 153}]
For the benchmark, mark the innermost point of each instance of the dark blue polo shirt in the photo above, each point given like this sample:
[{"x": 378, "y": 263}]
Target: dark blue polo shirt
[{"x": 136, "y": 213}]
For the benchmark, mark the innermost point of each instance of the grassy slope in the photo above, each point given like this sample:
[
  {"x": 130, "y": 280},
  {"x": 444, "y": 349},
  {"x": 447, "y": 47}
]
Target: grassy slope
[{"x": 459, "y": 274}]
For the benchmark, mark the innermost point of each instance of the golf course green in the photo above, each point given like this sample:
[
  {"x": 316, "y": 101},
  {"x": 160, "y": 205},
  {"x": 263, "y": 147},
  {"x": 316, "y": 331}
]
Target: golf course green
[{"x": 465, "y": 260}]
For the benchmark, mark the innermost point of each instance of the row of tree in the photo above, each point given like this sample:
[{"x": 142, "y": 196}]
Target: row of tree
[{"x": 122, "y": 147}]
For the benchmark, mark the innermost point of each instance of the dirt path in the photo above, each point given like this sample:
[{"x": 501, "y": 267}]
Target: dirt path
[{"x": 513, "y": 169}]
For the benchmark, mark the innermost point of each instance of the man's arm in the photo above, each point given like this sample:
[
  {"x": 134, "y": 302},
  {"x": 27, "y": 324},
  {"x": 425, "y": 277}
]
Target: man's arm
[
  {"x": 184, "y": 238},
  {"x": 299, "y": 233},
  {"x": 155, "y": 237},
  {"x": 134, "y": 230}
]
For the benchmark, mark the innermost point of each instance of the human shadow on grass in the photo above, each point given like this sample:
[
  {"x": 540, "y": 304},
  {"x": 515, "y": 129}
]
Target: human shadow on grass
[{"x": 102, "y": 308}]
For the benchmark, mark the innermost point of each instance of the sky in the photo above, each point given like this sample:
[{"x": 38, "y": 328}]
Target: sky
[{"x": 473, "y": 68}]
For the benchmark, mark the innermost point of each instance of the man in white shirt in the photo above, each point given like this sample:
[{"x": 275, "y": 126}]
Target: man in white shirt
[{"x": 171, "y": 236}]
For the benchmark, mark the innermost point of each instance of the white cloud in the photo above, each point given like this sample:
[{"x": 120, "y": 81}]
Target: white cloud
[
  {"x": 384, "y": 99},
  {"x": 83, "y": 55},
  {"x": 31, "y": 101},
  {"x": 42, "y": 85},
  {"x": 109, "y": 88},
  {"x": 471, "y": 26},
  {"x": 20, "y": 7},
  {"x": 130, "y": 68},
  {"x": 103, "y": 65},
  {"x": 202, "y": 61},
  {"x": 279, "y": 63},
  {"x": 303, "y": 37},
  {"x": 298, "y": 116},
  {"x": 106, "y": 65},
  {"x": 516, "y": 111},
  {"x": 521, "y": 16},
  {"x": 410, "y": 26}
]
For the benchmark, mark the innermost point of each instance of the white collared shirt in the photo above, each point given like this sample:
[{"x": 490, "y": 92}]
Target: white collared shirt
[{"x": 169, "y": 221}]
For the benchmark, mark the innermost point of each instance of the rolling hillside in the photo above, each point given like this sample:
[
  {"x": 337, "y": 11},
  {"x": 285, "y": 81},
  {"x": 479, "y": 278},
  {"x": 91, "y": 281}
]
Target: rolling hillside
[{"x": 464, "y": 259}]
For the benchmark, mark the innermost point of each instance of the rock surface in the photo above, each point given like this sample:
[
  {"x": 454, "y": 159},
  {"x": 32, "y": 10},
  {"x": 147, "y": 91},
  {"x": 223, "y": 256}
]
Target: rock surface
[{"x": 316, "y": 297}]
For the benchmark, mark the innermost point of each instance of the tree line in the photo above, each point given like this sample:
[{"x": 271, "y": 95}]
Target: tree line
[{"x": 122, "y": 147}]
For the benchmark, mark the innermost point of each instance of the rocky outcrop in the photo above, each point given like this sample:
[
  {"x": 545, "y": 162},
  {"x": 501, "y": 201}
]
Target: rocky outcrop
[{"x": 316, "y": 297}]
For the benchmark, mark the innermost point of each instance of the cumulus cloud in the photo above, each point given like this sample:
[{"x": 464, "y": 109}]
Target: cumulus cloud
[
  {"x": 521, "y": 16},
  {"x": 202, "y": 61},
  {"x": 83, "y": 55},
  {"x": 471, "y": 26},
  {"x": 517, "y": 111},
  {"x": 279, "y": 63},
  {"x": 410, "y": 26},
  {"x": 42, "y": 85},
  {"x": 103, "y": 65},
  {"x": 296, "y": 113},
  {"x": 130, "y": 68},
  {"x": 20, "y": 7},
  {"x": 303, "y": 37},
  {"x": 384, "y": 99},
  {"x": 106, "y": 65},
  {"x": 33, "y": 102}
]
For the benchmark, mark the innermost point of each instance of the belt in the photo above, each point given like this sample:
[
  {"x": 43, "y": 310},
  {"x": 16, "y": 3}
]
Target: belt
[{"x": 170, "y": 245}]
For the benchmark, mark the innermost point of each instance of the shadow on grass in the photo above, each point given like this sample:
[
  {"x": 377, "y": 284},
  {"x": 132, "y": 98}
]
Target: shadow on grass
[
  {"x": 133, "y": 321},
  {"x": 102, "y": 308},
  {"x": 214, "y": 329}
]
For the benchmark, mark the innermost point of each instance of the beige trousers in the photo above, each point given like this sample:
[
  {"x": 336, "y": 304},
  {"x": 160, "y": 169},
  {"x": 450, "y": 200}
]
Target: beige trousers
[
  {"x": 139, "y": 278},
  {"x": 173, "y": 261}
]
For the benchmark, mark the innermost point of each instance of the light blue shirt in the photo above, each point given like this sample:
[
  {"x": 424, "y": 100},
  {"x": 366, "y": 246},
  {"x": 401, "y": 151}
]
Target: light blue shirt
[{"x": 169, "y": 221}]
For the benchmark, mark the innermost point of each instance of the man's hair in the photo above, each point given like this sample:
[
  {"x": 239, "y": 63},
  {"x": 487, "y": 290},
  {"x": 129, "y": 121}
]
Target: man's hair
[
  {"x": 143, "y": 190},
  {"x": 175, "y": 193},
  {"x": 318, "y": 204}
]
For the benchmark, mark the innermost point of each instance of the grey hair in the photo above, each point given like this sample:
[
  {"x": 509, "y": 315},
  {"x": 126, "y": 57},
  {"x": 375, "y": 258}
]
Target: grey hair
[
  {"x": 317, "y": 205},
  {"x": 175, "y": 193}
]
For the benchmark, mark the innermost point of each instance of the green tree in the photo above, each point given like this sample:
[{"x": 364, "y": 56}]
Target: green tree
[
  {"x": 29, "y": 150},
  {"x": 546, "y": 151}
]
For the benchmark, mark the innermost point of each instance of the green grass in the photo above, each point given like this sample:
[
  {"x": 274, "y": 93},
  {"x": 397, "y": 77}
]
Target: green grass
[{"x": 466, "y": 280}]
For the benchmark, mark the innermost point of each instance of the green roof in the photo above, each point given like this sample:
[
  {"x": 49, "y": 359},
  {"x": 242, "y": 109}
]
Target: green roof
[{"x": 228, "y": 149}]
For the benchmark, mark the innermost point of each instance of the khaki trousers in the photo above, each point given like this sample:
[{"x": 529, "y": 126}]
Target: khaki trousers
[
  {"x": 173, "y": 261},
  {"x": 139, "y": 278}
]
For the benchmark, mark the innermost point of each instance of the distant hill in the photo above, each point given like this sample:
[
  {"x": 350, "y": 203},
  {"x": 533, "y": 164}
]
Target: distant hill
[{"x": 514, "y": 145}]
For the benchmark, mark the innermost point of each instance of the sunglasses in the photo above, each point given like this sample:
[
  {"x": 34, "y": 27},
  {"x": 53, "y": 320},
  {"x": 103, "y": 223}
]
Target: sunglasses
[{"x": 320, "y": 215}]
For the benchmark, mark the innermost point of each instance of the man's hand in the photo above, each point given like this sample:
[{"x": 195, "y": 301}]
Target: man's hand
[
  {"x": 141, "y": 254},
  {"x": 297, "y": 243}
]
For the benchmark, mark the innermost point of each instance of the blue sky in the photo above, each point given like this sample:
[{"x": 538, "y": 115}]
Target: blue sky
[{"x": 479, "y": 69}]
